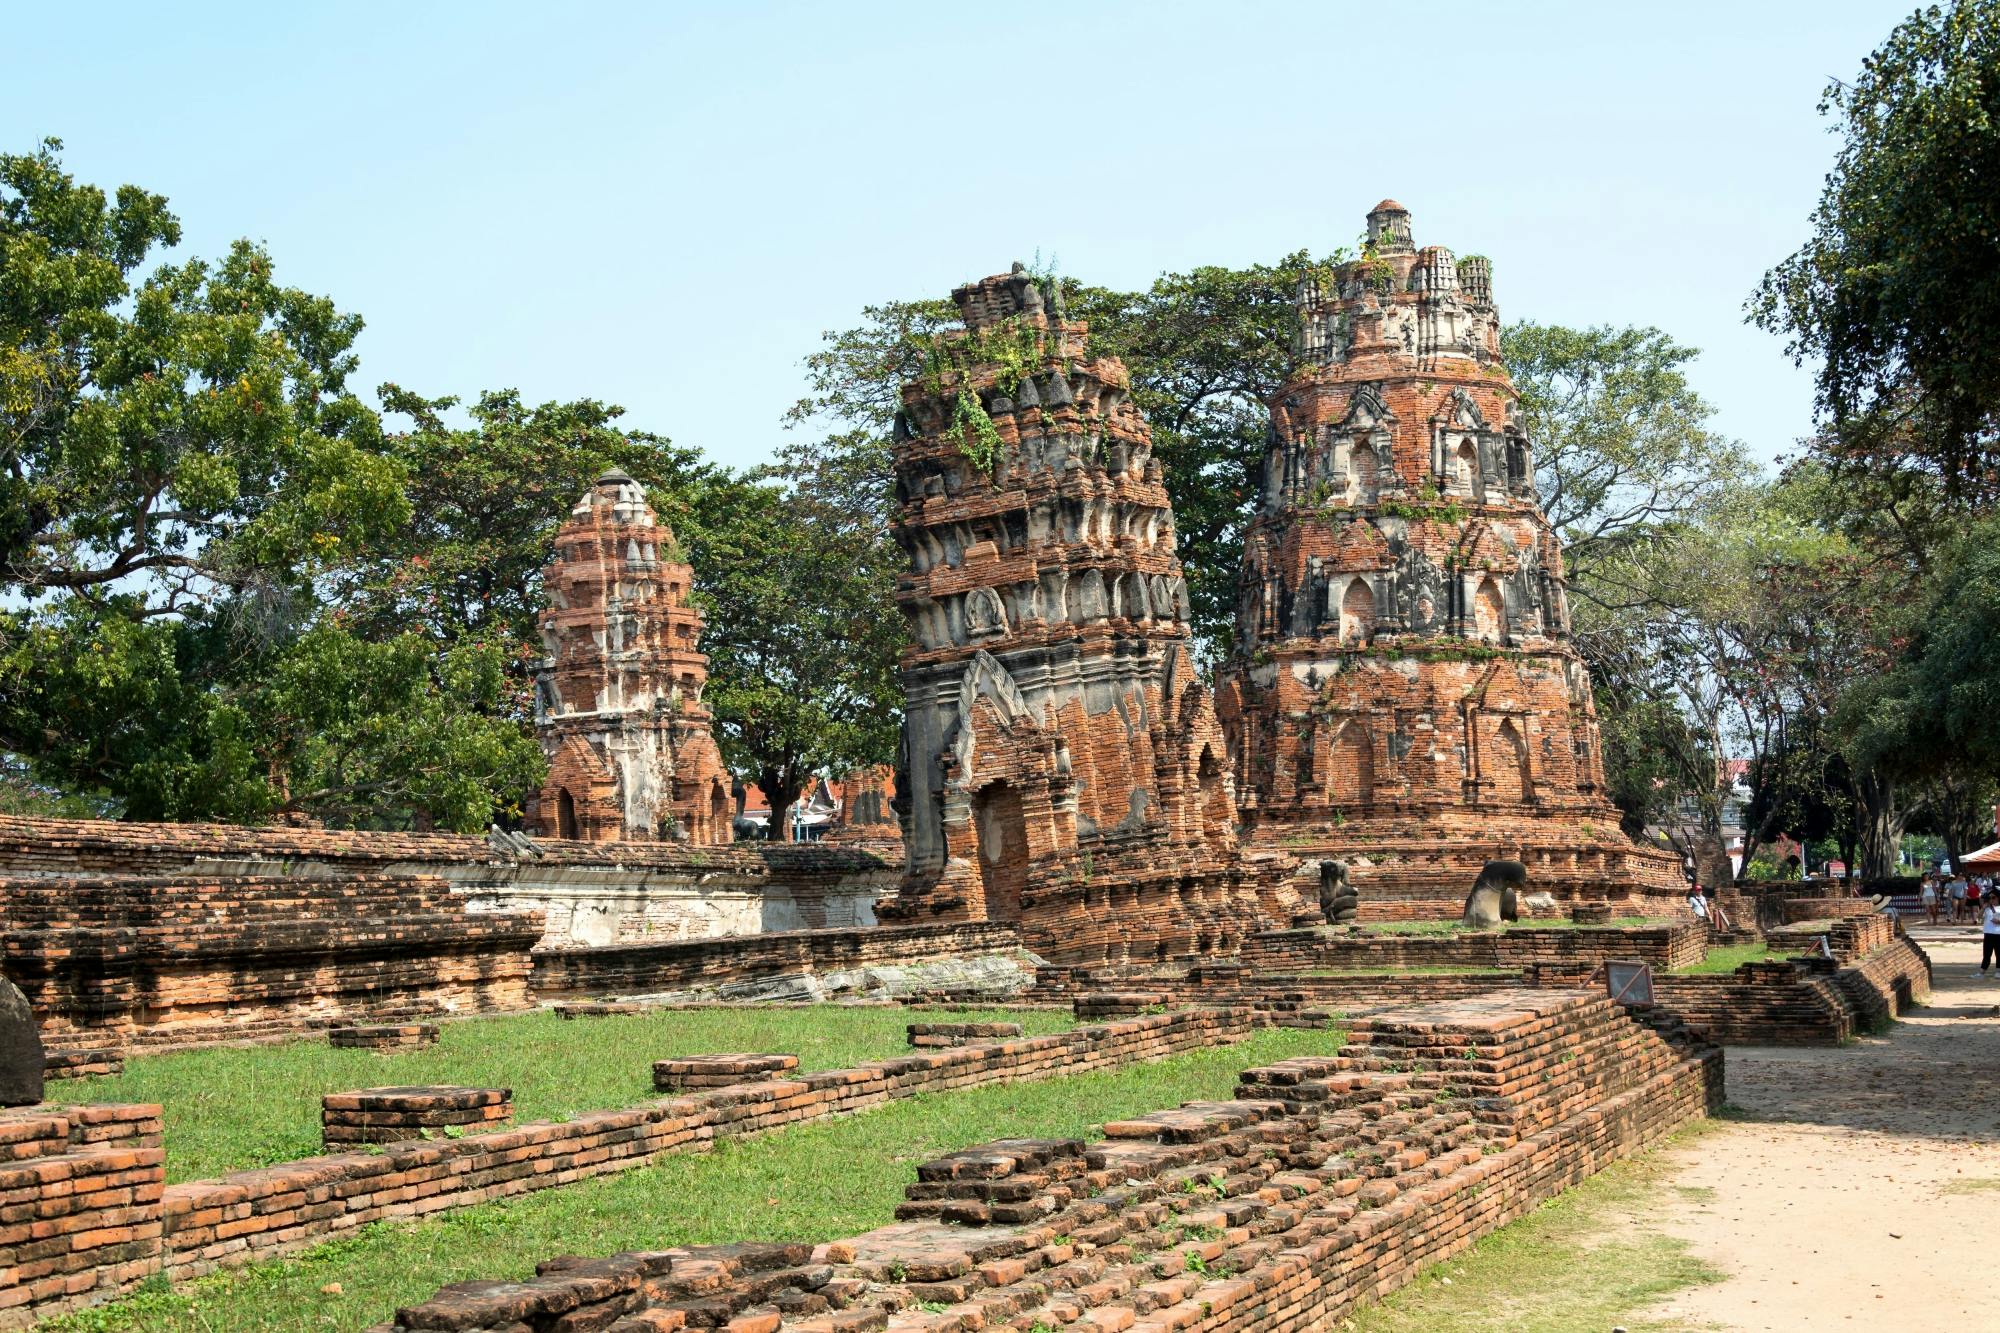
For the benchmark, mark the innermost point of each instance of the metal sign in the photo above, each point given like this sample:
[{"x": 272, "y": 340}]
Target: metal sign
[{"x": 1630, "y": 983}]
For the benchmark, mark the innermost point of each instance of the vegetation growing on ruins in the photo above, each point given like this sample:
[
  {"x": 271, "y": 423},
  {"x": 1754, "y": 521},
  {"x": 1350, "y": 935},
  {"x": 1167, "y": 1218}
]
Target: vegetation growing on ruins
[
  {"x": 811, "y": 1183},
  {"x": 231, "y": 1108}
]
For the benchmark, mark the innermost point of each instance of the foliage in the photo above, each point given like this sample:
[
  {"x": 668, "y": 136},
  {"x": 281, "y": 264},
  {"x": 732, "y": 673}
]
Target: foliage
[
  {"x": 1897, "y": 292},
  {"x": 802, "y": 634},
  {"x": 1622, "y": 441},
  {"x": 181, "y": 438}
]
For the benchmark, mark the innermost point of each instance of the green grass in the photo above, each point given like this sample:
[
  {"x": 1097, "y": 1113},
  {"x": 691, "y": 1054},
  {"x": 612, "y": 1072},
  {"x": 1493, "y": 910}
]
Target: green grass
[
  {"x": 1577, "y": 1264},
  {"x": 1977, "y": 1185},
  {"x": 813, "y": 1183},
  {"x": 1726, "y": 959},
  {"x": 230, "y": 1108}
]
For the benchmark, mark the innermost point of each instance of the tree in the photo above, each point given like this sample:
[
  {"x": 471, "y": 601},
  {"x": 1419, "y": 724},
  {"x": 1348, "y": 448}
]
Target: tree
[
  {"x": 1897, "y": 292},
  {"x": 801, "y": 636},
  {"x": 183, "y": 439},
  {"x": 186, "y": 476},
  {"x": 1622, "y": 442}
]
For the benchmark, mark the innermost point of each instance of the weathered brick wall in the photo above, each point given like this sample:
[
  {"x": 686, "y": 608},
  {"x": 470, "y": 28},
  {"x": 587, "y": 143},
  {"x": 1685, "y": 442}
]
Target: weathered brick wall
[
  {"x": 169, "y": 960},
  {"x": 1825, "y": 909},
  {"x": 1665, "y": 945},
  {"x": 1329, "y": 1182},
  {"x": 588, "y": 893},
  {"x": 1786, "y": 1003},
  {"x": 197, "y": 1227},
  {"x": 80, "y": 1192},
  {"x": 630, "y": 969}
]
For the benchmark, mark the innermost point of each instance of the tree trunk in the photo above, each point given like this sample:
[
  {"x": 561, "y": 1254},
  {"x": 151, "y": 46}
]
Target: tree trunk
[
  {"x": 1881, "y": 829},
  {"x": 784, "y": 795}
]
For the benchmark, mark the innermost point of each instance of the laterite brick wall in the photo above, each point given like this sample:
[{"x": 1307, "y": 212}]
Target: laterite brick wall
[
  {"x": 129, "y": 960},
  {"x": 200, "y": 1226},
  {"x": 1664, "y": 945},
  {"x": 1328, "y": 1182},
  {"x": 628, "y": 969}
]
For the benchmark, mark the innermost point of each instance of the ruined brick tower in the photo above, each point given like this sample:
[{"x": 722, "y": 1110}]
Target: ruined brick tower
[
  {"x": 1404, "y": 693},
  {"x": 1062, "y": 766},
  {"x": 618, "y": 702}
]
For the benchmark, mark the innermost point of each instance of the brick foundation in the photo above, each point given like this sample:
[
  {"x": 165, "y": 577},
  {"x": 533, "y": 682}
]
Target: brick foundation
[
  {"x": 633, "y": 969},
  {"x": 931, "y": 1036},
  {"x": 1666, "y": 945},
  {"x": 82, "y": 1064},
  {"x": 1329, "y": 1182},
  {"x": 692, "y": 1073},
  {"x": 164, "y": 961},
  {"x": 249, "y": 1215},
  {"x": 396, "y": 1115},
  {"x": 383, "y": 1037}
]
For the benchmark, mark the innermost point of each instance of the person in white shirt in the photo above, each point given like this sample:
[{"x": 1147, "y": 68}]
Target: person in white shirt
[
  {"x": 1989, "y": 935},
  {"x": 1930, "y": 899}
]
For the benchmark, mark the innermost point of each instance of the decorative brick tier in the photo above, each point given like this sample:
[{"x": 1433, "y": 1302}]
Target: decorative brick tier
[
  {"x": 1590, "y": 914},
  {"x": 82, "y": 1063},
  {"x": 161, "y": 961},
  {"x": 256, "y": 1214},
  {"x": 927, "y": 1036},
  {"x": 1328, "y": 1182},
  {"x": 394, "y": 1115},
  {"x": 636, "y": 969},
  {"x": 383, "y": 1036},
  {"x": 1665, "y": 945},
  {"x": 694, "y": 1072},
  {"x": 604, "y": 1009}
]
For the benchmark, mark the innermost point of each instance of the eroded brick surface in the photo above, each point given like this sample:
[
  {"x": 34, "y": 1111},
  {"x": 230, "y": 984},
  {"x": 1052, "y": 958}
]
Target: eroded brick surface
[
  {"x": 1405, "y": 694},
  {"x": 1062, "y": 764},
  {"x": 618, "y": 703}
]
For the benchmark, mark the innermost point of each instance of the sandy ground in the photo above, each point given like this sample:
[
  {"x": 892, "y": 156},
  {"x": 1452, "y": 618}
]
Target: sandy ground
[{"x": 1863, "y": 1189}]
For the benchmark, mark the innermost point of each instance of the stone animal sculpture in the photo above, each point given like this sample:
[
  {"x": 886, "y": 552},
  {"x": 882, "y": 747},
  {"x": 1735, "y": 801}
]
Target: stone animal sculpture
[
  {"x": 20, "y": 1049},
  {"x": 1496, "y": 895},
  {"x": 1339, "y": 902}
]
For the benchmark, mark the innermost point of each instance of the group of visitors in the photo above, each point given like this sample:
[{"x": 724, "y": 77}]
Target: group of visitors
[
  {"x": 1956, "y": 897},
  {"x": 1973, "y": 899}
]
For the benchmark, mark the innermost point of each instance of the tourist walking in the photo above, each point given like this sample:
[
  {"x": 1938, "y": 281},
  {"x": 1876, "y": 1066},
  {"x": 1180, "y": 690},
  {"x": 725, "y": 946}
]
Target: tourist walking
[
  {"x": 1989, "y": 935},
  {"x": 1956, "y": 893},
  {"x": 1930, "y": 898}
]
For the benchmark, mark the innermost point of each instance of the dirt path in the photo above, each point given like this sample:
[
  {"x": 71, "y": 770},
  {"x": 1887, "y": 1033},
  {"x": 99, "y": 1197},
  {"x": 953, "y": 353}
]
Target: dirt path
[{"x": 1863, "y": 1188}]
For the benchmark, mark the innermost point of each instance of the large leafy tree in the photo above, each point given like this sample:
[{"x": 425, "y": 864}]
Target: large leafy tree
[
  {"x": 185, "y": 473},
  {"x": 801, "y": 636},
  {"x": 1897, "y": 293},
  {"x": 1623, "y": 445}
]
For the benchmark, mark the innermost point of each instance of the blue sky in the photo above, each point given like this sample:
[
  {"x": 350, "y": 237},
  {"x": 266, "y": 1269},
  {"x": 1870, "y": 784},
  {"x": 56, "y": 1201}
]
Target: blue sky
[{"x": 663, "y": 206}]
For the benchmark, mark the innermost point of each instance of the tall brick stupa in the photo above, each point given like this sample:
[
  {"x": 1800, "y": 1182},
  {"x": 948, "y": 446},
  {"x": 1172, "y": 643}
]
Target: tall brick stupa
[
  {"x": 618, "y": 701},
  {"x": 1404, "y": 694},
  {"x": 1062, "y": 765}
]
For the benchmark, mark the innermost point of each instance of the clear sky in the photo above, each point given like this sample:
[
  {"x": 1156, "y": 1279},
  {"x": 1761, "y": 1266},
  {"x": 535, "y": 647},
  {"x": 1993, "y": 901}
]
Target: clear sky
[{"x": 663, "y": 206}]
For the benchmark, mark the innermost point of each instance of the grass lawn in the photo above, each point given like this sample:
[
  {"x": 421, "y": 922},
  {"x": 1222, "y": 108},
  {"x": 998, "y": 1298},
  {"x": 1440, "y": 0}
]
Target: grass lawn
[
  {"x": 230, "y": 1108},
  {"x": 1726, "y": 959},
  {"x": 1581, "y": 1263},
  {"x": 810, "y": 1183}
]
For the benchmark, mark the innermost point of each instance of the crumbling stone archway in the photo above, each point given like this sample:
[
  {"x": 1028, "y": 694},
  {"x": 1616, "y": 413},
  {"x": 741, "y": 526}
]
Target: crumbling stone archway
[
  {"x": 1351, "y": 767},
  {"x": 1507, "y": 765},
  {"x": 1357, "y": 612},
  {"x": 1489, "y": 612},
  {"x": 565, "y": 814}
]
